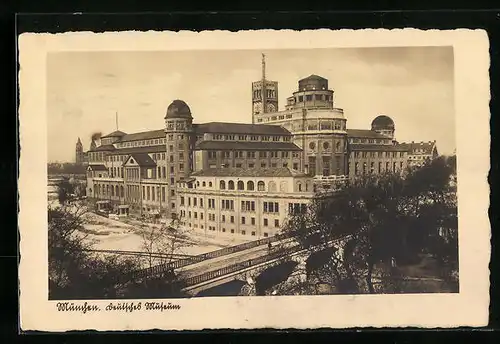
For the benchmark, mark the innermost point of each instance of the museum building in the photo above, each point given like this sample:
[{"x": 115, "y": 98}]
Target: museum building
[{"x": 245, "y": 178}]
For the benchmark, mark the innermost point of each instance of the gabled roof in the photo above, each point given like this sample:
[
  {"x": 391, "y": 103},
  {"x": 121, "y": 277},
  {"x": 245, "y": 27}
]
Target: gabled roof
[
  {"x": 235, "y": 145},
  {"x": 240, "y": 128},
  {"x": 415, "y": 147},
  {"x": 116, "y": 133},
  {"x": 365, "y": 134},
  {"x": 145, "y": 135},
  {"x": 142, "y": 159},
  {"x": 97, "y": 168},
  {"x": 248, "y": 172}
]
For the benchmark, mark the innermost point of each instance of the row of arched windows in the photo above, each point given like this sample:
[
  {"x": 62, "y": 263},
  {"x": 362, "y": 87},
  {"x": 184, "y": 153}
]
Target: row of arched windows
[{"x": 240, "y": 185}]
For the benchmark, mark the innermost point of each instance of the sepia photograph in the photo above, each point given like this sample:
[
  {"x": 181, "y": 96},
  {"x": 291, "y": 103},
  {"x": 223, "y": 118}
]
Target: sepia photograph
[
  {"x": 226, "y": 174},
  {"x": 183, "y": 179}
]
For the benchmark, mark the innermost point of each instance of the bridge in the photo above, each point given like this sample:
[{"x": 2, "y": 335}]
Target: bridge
[{"x": 243, "y": 262}]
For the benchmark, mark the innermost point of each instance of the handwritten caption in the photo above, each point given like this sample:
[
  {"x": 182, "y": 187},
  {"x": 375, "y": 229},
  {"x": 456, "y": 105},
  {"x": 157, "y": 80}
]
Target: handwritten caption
[{"x": 127, "y": 307}]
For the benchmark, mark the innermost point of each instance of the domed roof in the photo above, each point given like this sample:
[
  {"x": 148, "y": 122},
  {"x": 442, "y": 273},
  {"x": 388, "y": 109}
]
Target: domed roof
[
  {"x": 178, "y": 109},
  {"x": 382, "y": 122}
]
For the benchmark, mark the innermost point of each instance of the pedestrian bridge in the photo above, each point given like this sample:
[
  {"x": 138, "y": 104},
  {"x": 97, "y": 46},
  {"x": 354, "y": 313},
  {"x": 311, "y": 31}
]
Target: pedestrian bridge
[{"x": 198, "y": 273}]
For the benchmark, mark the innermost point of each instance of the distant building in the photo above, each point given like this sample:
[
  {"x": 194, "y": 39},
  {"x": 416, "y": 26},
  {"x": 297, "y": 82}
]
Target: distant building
[
  {"x": 282, "y": 158},
  {"x": 420, "y": 152},
  {"x": 81, "y": 157}
]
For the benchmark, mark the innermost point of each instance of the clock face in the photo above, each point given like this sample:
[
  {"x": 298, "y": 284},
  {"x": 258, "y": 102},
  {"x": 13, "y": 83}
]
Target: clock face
[
  {"x": 271, "y": 108},
  {"x": 257, "y": 108}
]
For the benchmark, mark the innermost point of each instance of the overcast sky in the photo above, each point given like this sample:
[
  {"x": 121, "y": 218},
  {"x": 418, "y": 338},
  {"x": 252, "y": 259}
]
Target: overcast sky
[{"x": 414, "y": 86}]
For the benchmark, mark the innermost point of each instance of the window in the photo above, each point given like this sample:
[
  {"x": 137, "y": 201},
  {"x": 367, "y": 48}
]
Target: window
[
  {"x": 276, "y": 223},
  {"x": 250, "y": 185},
  {"x": 222, "y": 185},
  {"x": 265, "y": 235},
  {"x": 231, "y": 185},
  {"x": 251, "y": 165},
  {"x": 252, "y": 220},
  {"x": 326, "y": 145},
  {"x": 182, "y": 200},
  {"x": 232, "y": 219},
  {"x": 223, "y": 218},
  {"x": 251, "y": 154},
  {"x": 181, "y": 167},
  {"x": 261, "y": 186},
  {"x": 265, "y": 222},
  {"x": 263, "y": 154},
  {"x": 243, "y": 232},
  {"x": 263, "y": 165},
  {"x": 204, "y": 184},
  {"x": 209, "y": 184},
  {"x": 232, "y": 231},
  {"x": 312, "y": 145},
  {"x": 242, "y": 220},
  {"x": 241, "y": 185}
]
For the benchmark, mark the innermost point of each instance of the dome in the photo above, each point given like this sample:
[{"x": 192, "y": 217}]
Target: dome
[
  {"x": 178, "y": 109},
  {"x": 382, "y": 122}
]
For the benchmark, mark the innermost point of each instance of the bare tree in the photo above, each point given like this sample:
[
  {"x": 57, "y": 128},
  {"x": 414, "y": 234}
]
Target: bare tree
[{"x": 74, "y": 272}]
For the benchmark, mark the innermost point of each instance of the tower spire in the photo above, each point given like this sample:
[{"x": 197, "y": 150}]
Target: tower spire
[
  {"x": 116, "y": 119},
  {"x": 263, "y": 66}
]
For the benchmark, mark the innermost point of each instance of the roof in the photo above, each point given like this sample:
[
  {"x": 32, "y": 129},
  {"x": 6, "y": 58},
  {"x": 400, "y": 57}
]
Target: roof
[
  {"x": 116, "y": 133},
  {"x": 377, "y": 147},
  {"x": 365, "y": 133},
  {"x": 248, "y": 172},
  {"x": 382, "y": 122},
  {"x": 240, "y": 128},
  {"x": 148, "y": 149},
  {"x": 97, "y": 167},
  {"x": 104, "y": 148},
  {"x": 426, "y": 147},
  {"x": 231, "y": 145},
  {"x": 313, "y": 77},
  {"x": 142, "y": 159},
  {"x": 145, "y": 135},
  {"x": 178, "y": 109}
]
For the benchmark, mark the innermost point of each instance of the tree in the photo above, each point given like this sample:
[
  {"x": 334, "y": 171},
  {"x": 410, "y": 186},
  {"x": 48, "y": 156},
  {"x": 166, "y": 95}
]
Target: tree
[
  {"x": 65, "y": 190},
  {"x": 162, "y": 244},
  {"x": 385, "y": 219},
  {"x": 74, "y": 272}
]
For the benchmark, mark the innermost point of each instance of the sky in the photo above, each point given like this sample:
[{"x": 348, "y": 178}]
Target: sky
[{"x": 85, "y": 90}]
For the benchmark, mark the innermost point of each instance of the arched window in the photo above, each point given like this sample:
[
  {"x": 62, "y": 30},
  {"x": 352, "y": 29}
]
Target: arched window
[
  {"x": 272, "y": 187},
  {"x": 116, "y": 191},
  {"x": 164, "y": 172},
  {"x": 121, "y": 191},
  {"x": 307, "y": 186},
  {"x": 222, "y": 185},
  {"x": 159, "y": 172},
  {"x": 209, "y": 184},
  {"x": 241, "y": 185},
  {"x": 204, "y": 184},
  {"x": 261, "y": 186},
  {"x": 107, "y": 189},
  {"x": 250, "y": 185},
  {"x": 338, "y": 146},
  {"x": 230, "y": 185},
  {"x": 299, "y": 187}
]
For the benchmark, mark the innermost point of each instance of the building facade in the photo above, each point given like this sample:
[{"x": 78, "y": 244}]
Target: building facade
[{"x": 265, "y": 170}]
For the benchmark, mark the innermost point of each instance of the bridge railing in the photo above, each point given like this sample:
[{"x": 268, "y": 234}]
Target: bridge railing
[
  {"x": 210, "y": 275},
  {"x": 163, "y": 268}
]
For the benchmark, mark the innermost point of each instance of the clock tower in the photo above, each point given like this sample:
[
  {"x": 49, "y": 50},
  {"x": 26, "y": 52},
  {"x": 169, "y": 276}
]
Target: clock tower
[{"x": 264, "y": 94}]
